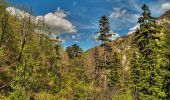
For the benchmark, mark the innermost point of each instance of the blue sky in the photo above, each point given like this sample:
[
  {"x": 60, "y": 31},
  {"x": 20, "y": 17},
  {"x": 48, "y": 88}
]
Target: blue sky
[{"x": 80, "y": 17}]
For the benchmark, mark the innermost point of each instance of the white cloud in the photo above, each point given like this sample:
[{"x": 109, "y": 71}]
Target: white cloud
[
  {"x": 134, "y": 5},
  {"x": 132, "y": 29},
  {"x": 62, "y": 41},
  {"x": 76, "y": 41},
  {"x": 122, "y": 19},
  {"x": 118, "y": 13},
  {"x": 95, "y": 36},
  {"x": 57, "y": 21},
  {"x": 165, "y": 6},
  {"x": 113, "y": 37},
  {"x": 73, "y": 37}
]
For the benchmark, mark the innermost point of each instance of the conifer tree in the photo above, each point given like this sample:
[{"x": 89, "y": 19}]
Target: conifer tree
[
  {"x": 165, "y": 59},
  {"x": 146, "y": 72},
  {"x": 116, "y": 71},
  {"x": 104, "y": 29},
  {"x": 104, "y": 35}
]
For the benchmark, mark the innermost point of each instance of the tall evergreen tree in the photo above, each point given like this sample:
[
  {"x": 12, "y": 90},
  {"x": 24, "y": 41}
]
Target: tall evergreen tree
[
  {"x": 104, "y": 34},
  {"x": 104, "y": 37},
  {"x": 104, "y": 29},
  {"x": 116, "y": 71},
  {"x": 146, "y": 72},
  {"x": 165, "y": 59}
]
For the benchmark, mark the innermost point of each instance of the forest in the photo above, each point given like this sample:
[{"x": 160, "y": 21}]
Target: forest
[{"x": 35, "y": 66}]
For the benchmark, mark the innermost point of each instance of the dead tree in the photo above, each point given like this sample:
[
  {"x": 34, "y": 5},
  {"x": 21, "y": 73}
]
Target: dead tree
[{"x": 25, "y": 30}]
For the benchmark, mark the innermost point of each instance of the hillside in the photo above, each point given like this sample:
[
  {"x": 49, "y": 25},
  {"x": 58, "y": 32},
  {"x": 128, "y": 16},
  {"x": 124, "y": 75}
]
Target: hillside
[
  {"x": 35, "y": 66},
  {"x": 166, "y": 15},
  {"x": 122, "y": 46}
]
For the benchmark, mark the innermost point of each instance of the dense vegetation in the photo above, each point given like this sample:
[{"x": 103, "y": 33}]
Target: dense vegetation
[{"x": 34, "y": 66}]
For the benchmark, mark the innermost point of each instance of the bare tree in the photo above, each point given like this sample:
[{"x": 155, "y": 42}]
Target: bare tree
[{"x": 25, "y": 30}]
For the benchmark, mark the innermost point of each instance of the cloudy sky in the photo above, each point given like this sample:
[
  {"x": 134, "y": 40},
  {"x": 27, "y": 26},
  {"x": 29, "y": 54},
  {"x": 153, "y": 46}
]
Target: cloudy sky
[{"x": 76, "y": 21}]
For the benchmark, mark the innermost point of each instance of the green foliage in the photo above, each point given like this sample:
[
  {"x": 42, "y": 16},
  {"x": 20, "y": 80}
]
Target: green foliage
[
  {"x": 45, "y": 96},
  {"x": 116, "y": 71},
  {"x": 165, "y": 59},
  {"x": 19, "y": 93},
  {"x": 104, "y": 29},
  {"x": 35, "y": 66},
  {"x": 108, "y": 70},
  {"x": 146, "y": 70},
  {"x": 123, "y": 96},
  {"x": 74, "y": 51}
]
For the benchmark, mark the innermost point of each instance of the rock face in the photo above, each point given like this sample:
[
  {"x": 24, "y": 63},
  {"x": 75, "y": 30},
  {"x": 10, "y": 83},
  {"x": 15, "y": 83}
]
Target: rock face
[
  {"x": 120, "y": 46},
  {"x": 166, "y": 15}
]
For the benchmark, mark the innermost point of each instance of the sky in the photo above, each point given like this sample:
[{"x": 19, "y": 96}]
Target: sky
[{"x": 76, "y": 21}]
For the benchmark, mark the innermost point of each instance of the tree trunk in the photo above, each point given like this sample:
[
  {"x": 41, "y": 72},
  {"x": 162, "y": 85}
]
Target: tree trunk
[
  {"x": 24, "y": 31},
  {"x": 135, "y": 95},
  {"x": 105, "y": 71}
]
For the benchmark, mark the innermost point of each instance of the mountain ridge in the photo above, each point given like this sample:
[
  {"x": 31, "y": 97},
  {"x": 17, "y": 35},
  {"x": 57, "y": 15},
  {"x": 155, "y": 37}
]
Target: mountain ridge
[{"x": 122, "y": 45}]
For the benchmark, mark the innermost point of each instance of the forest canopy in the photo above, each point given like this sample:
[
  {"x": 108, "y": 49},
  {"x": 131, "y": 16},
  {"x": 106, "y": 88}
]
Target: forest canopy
[{"x": 34, "y": 65}]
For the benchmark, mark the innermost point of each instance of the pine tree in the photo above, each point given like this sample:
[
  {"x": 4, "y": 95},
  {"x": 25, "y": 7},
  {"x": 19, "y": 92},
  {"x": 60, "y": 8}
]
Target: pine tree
[
  {"x": 104, "y": 35},
  {"x": 135, "y": 75},
  {"x": 165, "y": 59},
  {"x": 146, "y": 72},
  {"x": 116, "y": 71},
  {"x": 104, "y": 29}
]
